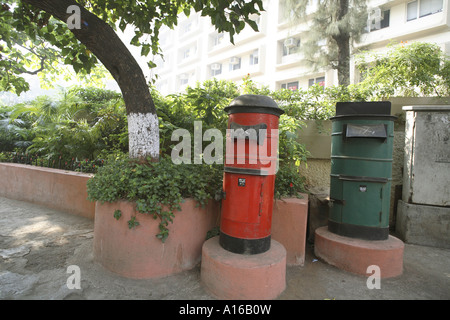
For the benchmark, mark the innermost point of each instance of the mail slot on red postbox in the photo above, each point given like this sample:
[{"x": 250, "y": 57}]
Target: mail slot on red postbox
[{"x": 249, "y": 174}]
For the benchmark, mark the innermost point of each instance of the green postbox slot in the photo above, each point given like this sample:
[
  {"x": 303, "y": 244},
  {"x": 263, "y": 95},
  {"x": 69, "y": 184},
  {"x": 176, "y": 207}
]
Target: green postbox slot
[{"x": 377, "y": 131}]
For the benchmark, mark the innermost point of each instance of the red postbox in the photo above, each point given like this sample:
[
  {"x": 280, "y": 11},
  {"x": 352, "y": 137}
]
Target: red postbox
[{"x": 249, "y": 174}]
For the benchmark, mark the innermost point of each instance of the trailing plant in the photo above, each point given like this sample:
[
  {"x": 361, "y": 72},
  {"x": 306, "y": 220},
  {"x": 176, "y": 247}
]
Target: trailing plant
[{"x": 157, "y": 188}]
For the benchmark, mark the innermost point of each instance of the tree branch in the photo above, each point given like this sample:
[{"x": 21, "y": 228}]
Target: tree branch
[
  {"x": 41, "y": 58},
  {"x": 104, "y": 43},
  {"x": 21, "y": 70}
]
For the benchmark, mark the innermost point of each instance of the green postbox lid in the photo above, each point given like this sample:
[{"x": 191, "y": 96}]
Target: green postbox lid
[
  {"x": 364, "y": 110},
  {"x": 253, "y": 103}
]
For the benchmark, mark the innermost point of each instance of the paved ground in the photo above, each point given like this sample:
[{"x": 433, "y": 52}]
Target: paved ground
[{"x": 37, "y": 245}]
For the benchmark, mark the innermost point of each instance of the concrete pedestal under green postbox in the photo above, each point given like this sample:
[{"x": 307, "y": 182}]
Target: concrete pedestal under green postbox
[{"x": 361, "y": 170}]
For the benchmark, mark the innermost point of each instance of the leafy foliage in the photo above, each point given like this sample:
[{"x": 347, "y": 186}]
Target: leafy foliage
[
  {"x": 81, "y": 123},
  {"x": 204, "y": 102},
  {"x": 417, "y": 69},
  {"x": 32, "y": 41},
  {"x": 288, "y": 183},
  {"x": 157, "y": 188},
  {"x": 14, "y": 133}
]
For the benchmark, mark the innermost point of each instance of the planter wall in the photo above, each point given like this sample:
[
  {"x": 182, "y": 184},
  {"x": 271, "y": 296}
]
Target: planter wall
[
  {"x": 137, "y": 253},
  {"x": 53, "y": 188},
  {"x": 289, "y": 221}
]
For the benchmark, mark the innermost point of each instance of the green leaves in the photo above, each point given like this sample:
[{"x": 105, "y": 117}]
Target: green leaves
[
  {"x": 417, "y": 69},
  {"x": 117, "y": 214},
  {"x": 47, "y": 42},
  {"x": 156, "y": 188},
  {"x": 132, "y": 223},
  {"x": 78, "y": 123},
  {"x": 288, "y": 182},
  {"x": 32, "y": 42}
]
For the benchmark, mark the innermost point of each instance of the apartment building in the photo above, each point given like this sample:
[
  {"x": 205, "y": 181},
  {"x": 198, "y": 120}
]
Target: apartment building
[{"x": 195, "y": 51}]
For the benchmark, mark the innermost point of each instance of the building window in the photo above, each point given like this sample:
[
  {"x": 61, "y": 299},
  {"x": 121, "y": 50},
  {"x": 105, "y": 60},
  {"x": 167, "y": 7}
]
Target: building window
[
  {"x": 422, "y": 8},
  {"x": 254, "y": 57},
  {"x": 187, "y": 27},
  {"x": 184, "y": 79},
  {"x": 235, "y": 63},
  {"x": 378, "y": 19},
  {"x": 290, "y": 85},
  {"x": 218, "y": 39},
  {"x": 291, "y": 46},
  {"x": 186, "y": 53},
  {"x": 411, "y": 9},
  {"x": 216, "y": 69},
  {"x": 320, "y": 81}
]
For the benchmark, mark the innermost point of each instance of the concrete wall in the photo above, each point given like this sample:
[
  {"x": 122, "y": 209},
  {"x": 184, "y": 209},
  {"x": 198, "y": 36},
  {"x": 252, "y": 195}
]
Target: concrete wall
[
  {"x": 427, "y": 160},
  {"x": 424, "y": 211},
  {"x": 53, "y": 188},
  {"x": 423, "y": 225}
]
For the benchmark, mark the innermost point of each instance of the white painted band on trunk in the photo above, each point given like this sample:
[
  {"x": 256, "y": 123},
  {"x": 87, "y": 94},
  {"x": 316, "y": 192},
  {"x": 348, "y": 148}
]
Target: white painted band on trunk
[{"x": 143, "y": 135}]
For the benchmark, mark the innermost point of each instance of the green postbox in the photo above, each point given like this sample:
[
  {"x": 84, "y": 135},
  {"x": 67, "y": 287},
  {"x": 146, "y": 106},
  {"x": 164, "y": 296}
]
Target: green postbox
[{"x": 361, "y": 170}]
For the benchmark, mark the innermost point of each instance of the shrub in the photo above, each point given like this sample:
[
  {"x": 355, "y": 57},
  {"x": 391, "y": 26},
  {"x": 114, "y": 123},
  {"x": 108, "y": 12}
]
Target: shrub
[
  {"x": 288, "y": 183},
  {"x": 416, "y": 69},
  {"x": 157, "y": 188},
  {"x": 80, "y": 123}
]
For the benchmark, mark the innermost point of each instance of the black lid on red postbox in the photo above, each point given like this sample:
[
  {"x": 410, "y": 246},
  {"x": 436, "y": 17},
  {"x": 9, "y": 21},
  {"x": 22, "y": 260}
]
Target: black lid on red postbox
[{"x": 253, "y": 103}]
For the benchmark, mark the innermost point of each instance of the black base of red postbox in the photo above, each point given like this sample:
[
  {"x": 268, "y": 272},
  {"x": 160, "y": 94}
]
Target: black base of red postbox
[{"x": 244, "y": 246}]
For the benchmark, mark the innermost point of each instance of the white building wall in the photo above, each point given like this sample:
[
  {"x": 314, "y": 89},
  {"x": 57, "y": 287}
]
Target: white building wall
[{"x": 193, "y": 47}]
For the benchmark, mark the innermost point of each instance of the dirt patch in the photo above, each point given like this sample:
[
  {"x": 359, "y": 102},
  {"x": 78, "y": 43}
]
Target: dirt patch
[{"x": 50, "y": 256}]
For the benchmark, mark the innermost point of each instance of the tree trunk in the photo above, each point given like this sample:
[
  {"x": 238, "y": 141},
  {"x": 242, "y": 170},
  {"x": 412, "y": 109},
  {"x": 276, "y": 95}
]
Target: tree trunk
[
  {"x": 101, "y": 40},
  {"x": 343, "y": 67},
  {"x": 343, "y": 44}
]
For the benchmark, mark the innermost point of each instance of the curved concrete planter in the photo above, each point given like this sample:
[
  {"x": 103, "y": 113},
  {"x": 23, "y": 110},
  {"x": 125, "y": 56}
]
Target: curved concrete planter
[{"x": 137, "y": 253}]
